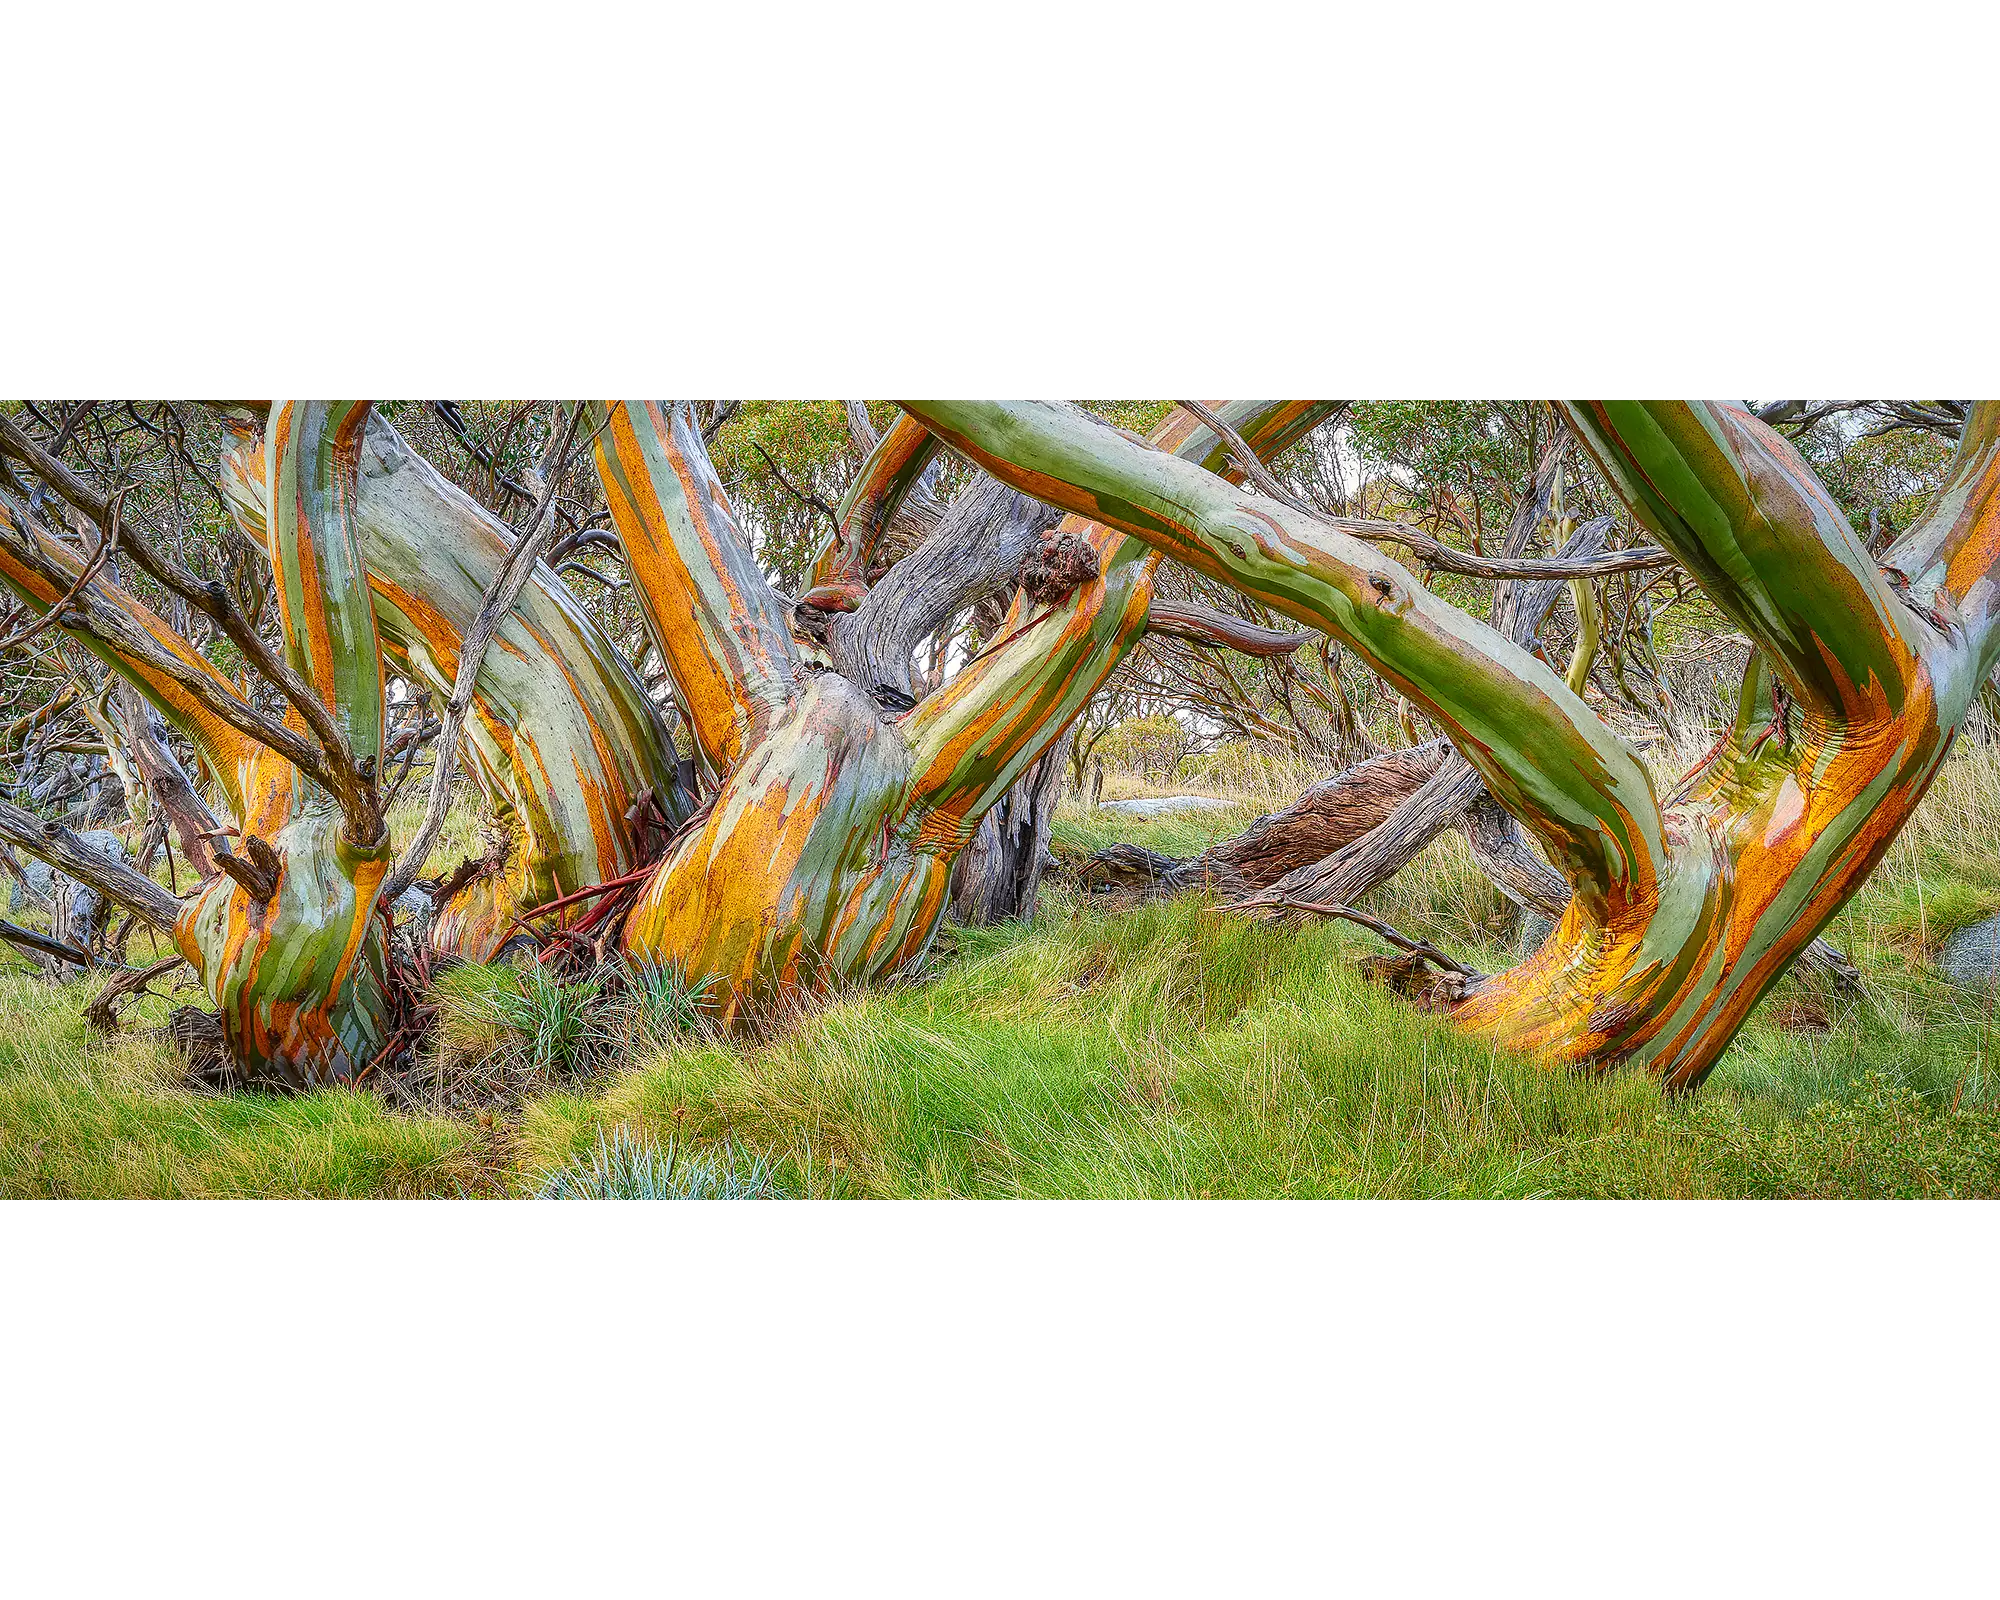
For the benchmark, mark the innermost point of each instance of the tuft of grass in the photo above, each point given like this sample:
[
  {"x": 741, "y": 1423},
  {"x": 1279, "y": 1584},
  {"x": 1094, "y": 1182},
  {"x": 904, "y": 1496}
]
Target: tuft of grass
[
  {"x": 87, "y": 1117},
  {"x": 659, "y": 1005},
  {"x": 472, "y": 1026},
  {"x": 1167, "y": 1050},
  {"x": 557, "y": 1020},
  {"x": 631, "y": 1166}
]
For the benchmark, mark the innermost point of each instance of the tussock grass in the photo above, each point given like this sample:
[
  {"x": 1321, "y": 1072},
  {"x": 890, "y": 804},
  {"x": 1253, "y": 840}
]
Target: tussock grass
[
  {"x": 1168, "y": 1050},
  {"x": 83, "y": 1117},
  {"x": 633, "y": 1167}
]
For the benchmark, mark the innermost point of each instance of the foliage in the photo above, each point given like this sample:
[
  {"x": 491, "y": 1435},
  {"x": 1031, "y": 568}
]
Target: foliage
[
  {"x": 556, "y": 1019},
  {"x": 769, "y": 455},
  {"x": 1880, "y": 1141},
  {"x": 1893, "y": 475},
  {"x": 1454, "y": 465},
  {"x": 1155, "y": 745},
  {"x": 632, "y": 1166}
]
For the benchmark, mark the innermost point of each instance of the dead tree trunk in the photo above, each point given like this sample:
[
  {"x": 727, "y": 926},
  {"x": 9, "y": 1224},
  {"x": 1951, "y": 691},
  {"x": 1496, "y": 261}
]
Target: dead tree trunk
[
  {"x": 999, "y": 874},
  {"x": 1325, "y": 818}
]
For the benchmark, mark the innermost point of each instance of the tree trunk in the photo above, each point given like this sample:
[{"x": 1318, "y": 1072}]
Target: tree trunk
[
  {"x": 563, "y": 740},
  {"x": 1684, "y": 912},
  {"x": 999, "y": 873},
  {"x": 827, "y": 854},
  {"x": 1325, "y": 818}
]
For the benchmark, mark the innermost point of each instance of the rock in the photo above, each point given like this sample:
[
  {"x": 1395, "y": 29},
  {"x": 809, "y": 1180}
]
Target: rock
[
  {"x": 42, "y": 876},
  {"x": 1971, "y": 956},
  {"x": 1167, "y": 805},
  {"x": 412, "y": 902},
  {"x": 1535, "y": 931}
]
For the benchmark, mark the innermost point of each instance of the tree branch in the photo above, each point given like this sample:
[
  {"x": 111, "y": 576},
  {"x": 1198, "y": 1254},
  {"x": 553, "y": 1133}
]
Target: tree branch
[
  {"x": 1203, "y": 625},
  {"x": 722, "y": 631},
  {"x": 63, "y": 850},
  {"x": 1542, "y": 752},
  {"x": 506, "y": 589},
  {"x": 1759, "y": 533}
]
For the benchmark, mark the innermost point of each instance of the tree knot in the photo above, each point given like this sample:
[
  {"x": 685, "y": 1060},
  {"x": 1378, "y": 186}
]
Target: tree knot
[{"x": 1059, "y": 564}]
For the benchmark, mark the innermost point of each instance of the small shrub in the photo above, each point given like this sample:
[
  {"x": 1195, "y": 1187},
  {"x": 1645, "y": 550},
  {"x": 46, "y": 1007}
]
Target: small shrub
[
  {"x": 1880, "y": 1141},
  {"x": 634, "y": 1167}
]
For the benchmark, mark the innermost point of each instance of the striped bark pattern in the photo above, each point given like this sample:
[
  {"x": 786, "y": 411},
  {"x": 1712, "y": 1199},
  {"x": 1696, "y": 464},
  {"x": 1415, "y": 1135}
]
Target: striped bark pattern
[
  {"x": 826, "y": 855},
  {"x": 562, "y": 740},
  {"x": 1685, "y": 908},
  {"x": 296, "y": 965}
]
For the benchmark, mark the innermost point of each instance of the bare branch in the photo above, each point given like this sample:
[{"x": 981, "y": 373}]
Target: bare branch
[
  {"x": 63, "y": 850},
  {"x": 42, "y": 945},
  {"x": 507, "y": 585},
  {"x": 1201, "y": 625},
  {"x": 1375, "y": 925}
]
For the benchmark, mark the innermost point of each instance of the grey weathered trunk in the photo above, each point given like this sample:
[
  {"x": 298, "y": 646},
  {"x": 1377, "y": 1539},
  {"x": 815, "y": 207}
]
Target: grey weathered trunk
[
  {"x": 976, "y": 549},
  {"x": 998, "y": 875}
]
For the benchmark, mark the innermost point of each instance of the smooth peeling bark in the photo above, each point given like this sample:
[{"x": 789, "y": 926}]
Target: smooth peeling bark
[
  {"x": 562, "y": 742},
  {"x": 721, "y": 629},
  {"x": 826, "y": 856},
  {"x": 888, "y": 474},
  {"x": 297, "y": 966},
  {"x": 1660, "y": 962},
  {"x": 1582, "y": 789},
  {"x": 988, "y": 531},
  {"x": 1343, "y": 837},
  {"x": 1790, "y": 817}
]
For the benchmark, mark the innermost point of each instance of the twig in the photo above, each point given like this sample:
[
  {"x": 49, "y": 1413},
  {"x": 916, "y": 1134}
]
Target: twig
[
  {"x": 1375, "y": 925},
  {"x": 107, "y": 542},
  {"x": 1261, "y": 477},
  {"x": 811, "y": 501},
  {"x": 326, "y": 758},
  {"x": 1203, "y": 625}
]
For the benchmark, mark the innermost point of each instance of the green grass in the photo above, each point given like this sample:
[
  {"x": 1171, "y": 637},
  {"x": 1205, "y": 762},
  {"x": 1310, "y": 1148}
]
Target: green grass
[
  {"x": 1078, "y": 831},
  {"x": 1168, "y": 1050}
]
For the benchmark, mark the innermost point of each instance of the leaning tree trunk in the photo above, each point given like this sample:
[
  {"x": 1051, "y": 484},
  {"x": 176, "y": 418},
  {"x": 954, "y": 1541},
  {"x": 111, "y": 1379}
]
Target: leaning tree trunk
[
  {"x": 826, "y": 855},
  {"x": 1684, "y": 911}
]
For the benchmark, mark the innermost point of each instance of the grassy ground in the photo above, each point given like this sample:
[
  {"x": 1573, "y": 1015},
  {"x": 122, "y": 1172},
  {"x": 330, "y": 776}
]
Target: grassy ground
[{"x": 1170, "y": 1050}]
